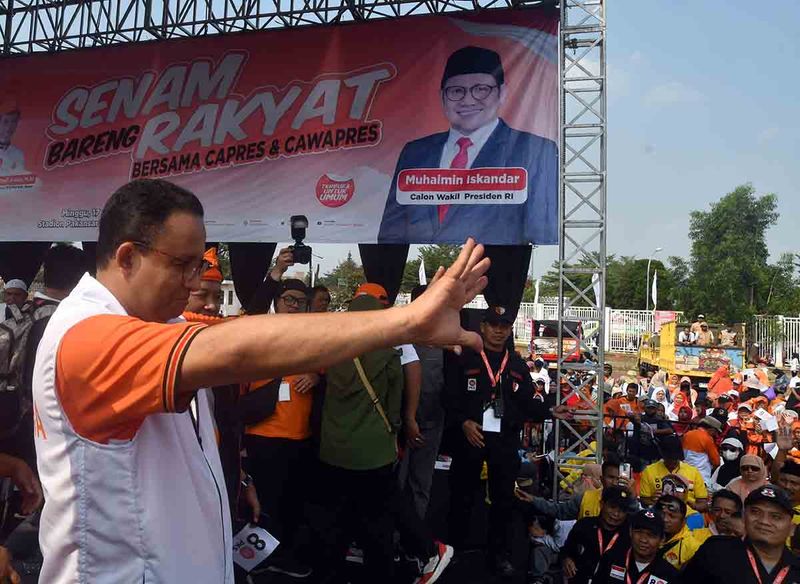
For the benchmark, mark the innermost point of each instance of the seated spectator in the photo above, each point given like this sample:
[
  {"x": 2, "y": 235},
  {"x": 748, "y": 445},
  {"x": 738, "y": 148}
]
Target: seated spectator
[
  {"x": 725, "y": 517},
  {"x": 680, "y": 544},
  {"x": 687, "y": 337},
  {"x": 700, "y": 448},
  {"x": 761, "y": 556},
  {"x": 731, "y": 452},
  {"x": 619, "y": 410},
  {"x": 593, "y": 537},
  {"x": 651, "y": 480},
  {"x": 543, "y": 564},
  {"x": 753, "y": 476},
  {"x": 705, "y": 338},
  {"x": 641, "y": 562}
]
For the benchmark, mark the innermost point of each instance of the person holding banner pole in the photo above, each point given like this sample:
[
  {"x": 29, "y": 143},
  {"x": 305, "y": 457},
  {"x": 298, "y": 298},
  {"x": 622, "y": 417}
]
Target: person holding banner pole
[{"x": 124, "y": 432}]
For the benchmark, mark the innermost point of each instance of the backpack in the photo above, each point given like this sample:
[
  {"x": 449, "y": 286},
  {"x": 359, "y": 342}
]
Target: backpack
[{"x": 14, "y": 398}]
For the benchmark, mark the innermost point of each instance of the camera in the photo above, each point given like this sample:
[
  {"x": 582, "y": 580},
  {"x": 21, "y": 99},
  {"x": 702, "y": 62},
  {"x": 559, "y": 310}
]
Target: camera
[{"x": 300, "y": 251}]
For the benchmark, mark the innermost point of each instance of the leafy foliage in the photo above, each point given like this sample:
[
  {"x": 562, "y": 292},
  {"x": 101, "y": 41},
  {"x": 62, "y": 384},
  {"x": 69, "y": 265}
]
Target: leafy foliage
[{"x": 343, "y": 280}]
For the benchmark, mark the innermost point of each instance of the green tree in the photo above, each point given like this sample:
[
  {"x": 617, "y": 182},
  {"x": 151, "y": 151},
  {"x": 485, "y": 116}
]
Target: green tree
[
  {"x": 343, "y": 280},
  {"x": 433, "y": 256},
  {"x": 731, "y": 276}
]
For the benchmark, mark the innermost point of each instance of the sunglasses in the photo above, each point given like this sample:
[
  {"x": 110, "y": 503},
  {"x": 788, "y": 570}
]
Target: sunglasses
[{"x": 749, "y": 469}]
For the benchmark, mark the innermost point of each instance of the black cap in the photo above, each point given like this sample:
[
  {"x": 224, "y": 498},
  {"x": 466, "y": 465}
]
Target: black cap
[
  {"x": 650, "y": 520},
  {"x": 618, "y": 496},
  {"x": 498, "y": 314},
  {"x": 790, "y": 467},
  {"x": 474, "y": 60},
  {"x": 771, "y": 494}
]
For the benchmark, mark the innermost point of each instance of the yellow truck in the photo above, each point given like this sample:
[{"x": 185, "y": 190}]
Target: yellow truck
[{"x": 668, "y": 351}]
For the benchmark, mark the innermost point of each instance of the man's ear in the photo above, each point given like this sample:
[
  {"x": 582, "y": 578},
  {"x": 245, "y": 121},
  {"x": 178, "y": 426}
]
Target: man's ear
[{"x": 125, "y": 257}]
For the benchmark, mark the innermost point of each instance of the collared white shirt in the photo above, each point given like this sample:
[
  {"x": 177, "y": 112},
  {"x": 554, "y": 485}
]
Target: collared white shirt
[{"x": 479, "y": 137}]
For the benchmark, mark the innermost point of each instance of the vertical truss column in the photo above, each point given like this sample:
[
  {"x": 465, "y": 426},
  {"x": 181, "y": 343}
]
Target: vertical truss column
[{"x": 582, "y": 219}]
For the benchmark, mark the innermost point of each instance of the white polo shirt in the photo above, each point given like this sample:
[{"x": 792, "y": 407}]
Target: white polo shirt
[{"x": 134, "y": 490}]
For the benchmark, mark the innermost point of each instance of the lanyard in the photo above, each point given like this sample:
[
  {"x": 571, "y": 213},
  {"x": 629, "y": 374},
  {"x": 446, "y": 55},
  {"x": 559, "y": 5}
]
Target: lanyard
[
  {"x": 600, "y": 541},
  {"x": 643, "y": 575},
  {"x": 494, "y": 378},
  {"x": 780, "y": 577}
]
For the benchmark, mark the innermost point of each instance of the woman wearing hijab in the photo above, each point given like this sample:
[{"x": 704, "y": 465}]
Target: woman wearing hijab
[
  {"x": 731, "y": 451},
  {"x": 680, "y": 411},
  {"x": 687, "y": 389},
  {"x": 674, "y": 384},
  {"x": 659, "y": 395},
  {"x": 753, "y": 476},
  {"x": 720, "y": 382}
]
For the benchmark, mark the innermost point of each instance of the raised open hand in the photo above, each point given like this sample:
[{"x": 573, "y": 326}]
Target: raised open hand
[{"x": 435, "y": 316}]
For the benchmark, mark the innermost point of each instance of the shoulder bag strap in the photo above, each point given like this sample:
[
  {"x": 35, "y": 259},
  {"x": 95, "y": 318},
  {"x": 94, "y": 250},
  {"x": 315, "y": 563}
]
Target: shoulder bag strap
[{"x": 372, "y": 395}]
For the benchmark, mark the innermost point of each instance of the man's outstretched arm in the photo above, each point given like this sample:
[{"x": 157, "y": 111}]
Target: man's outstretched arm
[{"x": 260, "y": 347}]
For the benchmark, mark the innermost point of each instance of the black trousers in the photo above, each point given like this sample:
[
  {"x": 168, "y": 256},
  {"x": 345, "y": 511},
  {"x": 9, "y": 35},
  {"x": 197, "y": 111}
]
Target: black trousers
[
  {"x": 281, "y": 471},
  {"x": 367, "y": 506},
  {"x": 502, "y": 458}
]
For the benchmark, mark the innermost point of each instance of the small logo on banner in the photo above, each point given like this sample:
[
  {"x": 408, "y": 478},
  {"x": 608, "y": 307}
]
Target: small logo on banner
[
  {"x": 334, "y": 191},
  {"x": 472, "y": 384}
]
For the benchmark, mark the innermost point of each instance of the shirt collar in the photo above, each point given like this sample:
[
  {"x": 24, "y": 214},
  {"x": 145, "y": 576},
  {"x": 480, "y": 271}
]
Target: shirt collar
[
  {"x": 92, "y": 291},
  {"x": 44, "y": 296},
  {"x": 478, "y": 137}
]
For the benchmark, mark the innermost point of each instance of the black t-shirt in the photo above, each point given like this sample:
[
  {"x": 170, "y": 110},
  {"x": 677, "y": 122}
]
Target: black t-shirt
[
  {"x": 724, "y": 559},
  {"x": 619, "y": 565},
  {"x": 583, "y": 546}
]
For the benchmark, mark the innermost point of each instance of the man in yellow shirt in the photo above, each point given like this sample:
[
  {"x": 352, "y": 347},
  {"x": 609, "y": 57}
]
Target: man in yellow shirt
[
  {"x": 680, "y": 544},
  {"x": 651, "y": 481}
]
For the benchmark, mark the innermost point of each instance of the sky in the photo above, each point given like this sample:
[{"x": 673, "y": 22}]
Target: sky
[{"x": 702, "y": 97}]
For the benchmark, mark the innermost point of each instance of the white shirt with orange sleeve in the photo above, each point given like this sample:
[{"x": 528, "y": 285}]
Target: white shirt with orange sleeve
[
  {"x": 701, "y": 452},
  {"x": 134, "y": 490}
]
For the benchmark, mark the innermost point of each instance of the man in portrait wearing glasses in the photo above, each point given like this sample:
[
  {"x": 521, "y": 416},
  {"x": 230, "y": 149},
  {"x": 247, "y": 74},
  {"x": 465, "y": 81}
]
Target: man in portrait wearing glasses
[{"x": 473, "y": 89}]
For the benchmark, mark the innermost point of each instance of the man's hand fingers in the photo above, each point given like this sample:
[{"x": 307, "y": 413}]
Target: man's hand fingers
[
  {"x": 470, "y": 339},
  {"x": 460, "y": 265},
  {"x": 438, "y": 275},
  {"x": 476, "y": 288}
]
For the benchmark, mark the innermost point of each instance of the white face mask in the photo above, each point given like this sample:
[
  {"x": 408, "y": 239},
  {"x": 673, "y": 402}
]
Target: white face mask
[{"x": 729, "y": 454}]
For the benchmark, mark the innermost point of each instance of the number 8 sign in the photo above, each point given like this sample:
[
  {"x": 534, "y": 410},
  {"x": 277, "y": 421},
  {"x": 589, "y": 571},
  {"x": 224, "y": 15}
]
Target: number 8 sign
[{"x": 251, "y": 546}]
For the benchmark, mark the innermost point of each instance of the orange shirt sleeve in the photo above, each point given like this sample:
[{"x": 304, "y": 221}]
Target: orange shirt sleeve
[{"x": 113, "y": 371}]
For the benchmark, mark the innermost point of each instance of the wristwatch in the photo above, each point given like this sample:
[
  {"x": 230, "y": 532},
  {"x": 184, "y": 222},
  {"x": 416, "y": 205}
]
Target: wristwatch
[{"x": 247, "y": 481}]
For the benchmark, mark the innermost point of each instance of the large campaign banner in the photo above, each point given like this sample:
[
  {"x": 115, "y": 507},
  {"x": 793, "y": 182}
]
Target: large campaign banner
[{"x": 420, "y": 130}]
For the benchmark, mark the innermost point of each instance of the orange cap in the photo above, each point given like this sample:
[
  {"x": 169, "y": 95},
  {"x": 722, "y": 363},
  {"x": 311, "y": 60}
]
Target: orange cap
[
  {"x": 374, "y": 290},
  {"x": 213, "y": 272}
]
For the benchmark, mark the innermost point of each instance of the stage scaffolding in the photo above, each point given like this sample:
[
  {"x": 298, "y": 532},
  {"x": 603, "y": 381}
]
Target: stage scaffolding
[{"x": 28, "y": 26}]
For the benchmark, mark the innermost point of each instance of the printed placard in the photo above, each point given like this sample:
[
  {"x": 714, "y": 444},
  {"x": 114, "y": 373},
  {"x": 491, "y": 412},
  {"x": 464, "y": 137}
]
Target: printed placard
[{"x": 252, "y": 545}]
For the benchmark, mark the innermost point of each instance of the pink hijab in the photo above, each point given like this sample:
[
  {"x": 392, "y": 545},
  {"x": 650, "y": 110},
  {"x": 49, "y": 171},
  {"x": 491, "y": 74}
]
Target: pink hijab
[{"x": 744, "y": 488}]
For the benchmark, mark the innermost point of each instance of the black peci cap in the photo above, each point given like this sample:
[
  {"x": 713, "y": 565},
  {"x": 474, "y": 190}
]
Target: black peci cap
[
  {"x": 498, "y": 314},
  {"x": 474, "y": 60}
]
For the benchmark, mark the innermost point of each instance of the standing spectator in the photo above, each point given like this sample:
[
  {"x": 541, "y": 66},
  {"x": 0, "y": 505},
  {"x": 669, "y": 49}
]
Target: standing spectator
[
  {"x": 15, "y": 293},
  {"x": 641, "y": 562},
  {"x": 591, "y": 538},
  {"x": 697, "y": 324},
  {"x": 540, "y": 372},
  {"x": 705, "y": 338},
  {"x": 762, "y": 556},
  {"x": 700, "y": 447},
  {"x": 417, "y": 466},
  {"x": 490, "y": 395},
  {"x": 647, "y": 430},
  {"x": 720, "y": 383},
  {"x": 619, "y": 410},
  {"x": 319, "y": 299},
  {"x": 680, "y": 544},
  {"x": 753, "y": 476},
  {"x": 727, "y": 336},
  {"x": 206, "y": 299},
  {"x": 651, "y": 481},
  {"x": 725, "y": 516},
  {"x": 278, "y": 443},
  {"x": 361, "y": 416},
  {"x": 731, "y": 452}
]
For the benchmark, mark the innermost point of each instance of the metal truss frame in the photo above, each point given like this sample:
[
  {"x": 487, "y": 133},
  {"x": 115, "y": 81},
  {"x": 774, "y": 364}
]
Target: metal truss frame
[
  {"x": 582, "y": 224},
  {"x": 29, "y": 26}
]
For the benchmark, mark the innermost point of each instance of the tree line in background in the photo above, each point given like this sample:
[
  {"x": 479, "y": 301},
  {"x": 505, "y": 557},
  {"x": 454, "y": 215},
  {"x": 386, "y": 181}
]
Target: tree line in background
[{"x": 728, "y": 275}]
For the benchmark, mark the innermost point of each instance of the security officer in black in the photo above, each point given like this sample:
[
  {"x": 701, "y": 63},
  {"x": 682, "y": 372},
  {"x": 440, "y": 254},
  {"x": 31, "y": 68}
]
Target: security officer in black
[{"x": 488, "y": 397}]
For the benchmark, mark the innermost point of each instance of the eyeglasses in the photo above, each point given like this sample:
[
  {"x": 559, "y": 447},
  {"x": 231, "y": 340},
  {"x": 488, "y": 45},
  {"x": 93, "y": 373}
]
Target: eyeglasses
[
  {"x": 190, "y": 269},
  {"x": 668, "y": 507},
  {"x": 749, "y": 469},
  {"x": 458, "y": 92},
  {"x": 292, "y": 301},
  {"x": 729, "y": 449}
]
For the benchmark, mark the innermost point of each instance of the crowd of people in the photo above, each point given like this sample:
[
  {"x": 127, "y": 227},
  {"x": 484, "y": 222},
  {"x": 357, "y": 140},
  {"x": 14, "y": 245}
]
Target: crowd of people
[{"x": 149, "y": 430}]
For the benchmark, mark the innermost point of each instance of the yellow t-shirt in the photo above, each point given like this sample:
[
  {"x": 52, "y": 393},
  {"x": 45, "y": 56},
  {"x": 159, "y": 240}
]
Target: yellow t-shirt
[
  {"x": 590, "y": 503},
  {"x": 679, "y": 549},
  {"x": 650, "y": 482}
]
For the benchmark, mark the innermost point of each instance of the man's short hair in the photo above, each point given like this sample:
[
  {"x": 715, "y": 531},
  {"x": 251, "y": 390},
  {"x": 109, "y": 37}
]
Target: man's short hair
[
  {"x": 64, "y": 265},
  {"x": 137, "y": 211},
  {"x": 611, "y": 460},
  {"x": 467, "y": 60},
  {"x": 313, "y": 291},
  {"x": 730, "y": 496}
]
